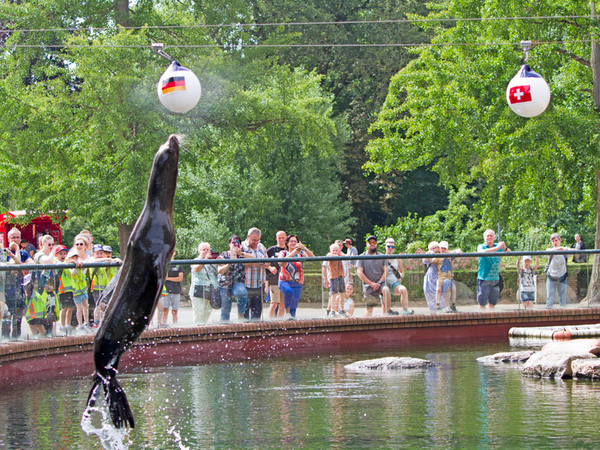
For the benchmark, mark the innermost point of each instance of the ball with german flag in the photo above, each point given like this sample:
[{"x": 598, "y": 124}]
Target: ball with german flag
[{"x": 179, "y": 89}]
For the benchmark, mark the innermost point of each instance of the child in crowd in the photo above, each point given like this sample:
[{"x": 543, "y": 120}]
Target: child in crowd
[
  {"x": 64, "y": 286},
  {"x": 526, "y": 280},
  {"x": 333, "y": 277},
  {"x": 80, "y": 291},
  {"x": 349, "y": 301},
  {"x": 445, "y": 275}
]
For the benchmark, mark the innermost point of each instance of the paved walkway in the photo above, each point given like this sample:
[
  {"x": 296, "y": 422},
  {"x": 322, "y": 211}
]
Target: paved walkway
[
  {"x": 314, "y": 311},
  {"x": 311, "y": 311}
]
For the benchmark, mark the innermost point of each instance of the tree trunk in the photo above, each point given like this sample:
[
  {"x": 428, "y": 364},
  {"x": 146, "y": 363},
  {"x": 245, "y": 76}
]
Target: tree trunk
[
  {"x": 593, "y": 295},
  {"x": 122, "y": 12},
  {"x": 125, "y": 230}
]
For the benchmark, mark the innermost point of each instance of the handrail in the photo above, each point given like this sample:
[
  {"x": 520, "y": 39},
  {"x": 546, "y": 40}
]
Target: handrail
[{"x": 9, "y": 267}]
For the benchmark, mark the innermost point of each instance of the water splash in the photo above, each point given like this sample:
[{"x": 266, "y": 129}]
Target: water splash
[
  {"x": 110, "y": 437},
  {"x": 177, "y": 438}
]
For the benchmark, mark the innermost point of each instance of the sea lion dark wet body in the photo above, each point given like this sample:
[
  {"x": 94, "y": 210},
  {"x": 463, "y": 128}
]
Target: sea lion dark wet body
[{"x": 136, "y": 289}]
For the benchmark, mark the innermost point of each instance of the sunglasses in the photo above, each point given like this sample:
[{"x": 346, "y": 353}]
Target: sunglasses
[
  {"x": 390, "y": 246},
  {"x": 372, "y": 242},
  {"x": 79, "y": 244}
]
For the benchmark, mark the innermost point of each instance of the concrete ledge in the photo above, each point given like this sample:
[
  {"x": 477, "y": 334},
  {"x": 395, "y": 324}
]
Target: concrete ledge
[{"x": 397, "y": 328}]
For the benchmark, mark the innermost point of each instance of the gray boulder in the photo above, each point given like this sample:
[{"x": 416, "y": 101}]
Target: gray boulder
[
  {"x": 389, "y": 363},
  {"x": 507, "y": 357},
  {"x": 586, "y": 368},
  {"x": 574, "y": 346},
  {"x": 552, "y": 365}
]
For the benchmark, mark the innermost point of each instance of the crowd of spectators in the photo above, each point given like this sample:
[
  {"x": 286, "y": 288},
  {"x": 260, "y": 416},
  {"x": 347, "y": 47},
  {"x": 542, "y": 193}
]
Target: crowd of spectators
[
  {"x": 47, "y": 298},
  {"x": 66, "y": 301}
]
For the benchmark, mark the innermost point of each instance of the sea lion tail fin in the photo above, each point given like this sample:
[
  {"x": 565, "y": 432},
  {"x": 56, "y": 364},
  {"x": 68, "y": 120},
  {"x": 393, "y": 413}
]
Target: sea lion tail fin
[{"x": 118, "y": 406}]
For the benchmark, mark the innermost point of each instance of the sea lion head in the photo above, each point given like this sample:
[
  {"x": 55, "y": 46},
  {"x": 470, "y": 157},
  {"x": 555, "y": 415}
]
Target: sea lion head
[{"x": 163, "y": 178}]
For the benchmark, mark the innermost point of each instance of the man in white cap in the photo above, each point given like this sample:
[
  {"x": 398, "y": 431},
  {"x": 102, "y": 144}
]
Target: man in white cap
[{"x": 445, "y": 277}]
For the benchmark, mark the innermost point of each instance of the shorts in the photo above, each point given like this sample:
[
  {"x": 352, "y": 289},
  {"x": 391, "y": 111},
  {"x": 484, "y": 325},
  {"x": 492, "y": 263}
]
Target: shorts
[
  {"x": 337, "y": 286},
  {"x": 527, "y": 296},
  {"x": 36, "y": 322},
  {"x": 372, "y": 298},
  {"x": 276, "y": 296},
  {"x": 440, "y": 283},
  {"x": 488, "y": 291},
  {"x": 96, "y": 296},
  {"x": 66, "y": 300},
  {"x": 393, "y": 285},
  {"x": 79, "y": 298},
  {"x": 171, "y": 301}
]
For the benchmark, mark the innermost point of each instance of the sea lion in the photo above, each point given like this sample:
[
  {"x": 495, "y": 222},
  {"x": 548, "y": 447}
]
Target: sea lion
[{"x": 135, "y": 290}]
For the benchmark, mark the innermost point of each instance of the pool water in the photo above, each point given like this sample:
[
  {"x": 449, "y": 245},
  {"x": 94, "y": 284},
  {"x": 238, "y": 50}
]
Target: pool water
[{"x": 312, "y": 402}]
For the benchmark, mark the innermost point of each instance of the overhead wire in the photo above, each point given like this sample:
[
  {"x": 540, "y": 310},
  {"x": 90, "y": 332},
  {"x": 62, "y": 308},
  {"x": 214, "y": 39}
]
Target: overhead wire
[
  {"x": 299, "y": 45},
  {"x": 308, "y": 23},
  {"x": 234, "y": 46}
]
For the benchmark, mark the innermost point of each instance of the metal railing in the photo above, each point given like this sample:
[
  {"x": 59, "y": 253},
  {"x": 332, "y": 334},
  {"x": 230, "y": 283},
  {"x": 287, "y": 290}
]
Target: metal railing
[{"x": 315, "y": 296}]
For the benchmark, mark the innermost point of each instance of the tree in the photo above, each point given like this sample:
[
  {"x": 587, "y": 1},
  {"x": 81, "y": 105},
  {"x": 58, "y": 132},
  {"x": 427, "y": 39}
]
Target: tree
[
  {"x": 358, "y": 78},
  {"x": 80, "y": 123},
  {"x": 447, "y": 108}
]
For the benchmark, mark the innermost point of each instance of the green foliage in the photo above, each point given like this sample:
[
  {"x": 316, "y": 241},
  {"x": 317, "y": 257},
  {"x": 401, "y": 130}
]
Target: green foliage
[
  {"x": 79, "y": 127},
  {"x": 460, "y": 224},
  {"x": 447, "y": 109},
  {"x": 358, "y": 77}
]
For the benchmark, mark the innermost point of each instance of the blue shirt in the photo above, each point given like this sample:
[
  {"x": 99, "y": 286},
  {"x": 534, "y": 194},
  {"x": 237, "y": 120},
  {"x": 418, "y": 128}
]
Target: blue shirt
[{"x": 489, "y": 267}]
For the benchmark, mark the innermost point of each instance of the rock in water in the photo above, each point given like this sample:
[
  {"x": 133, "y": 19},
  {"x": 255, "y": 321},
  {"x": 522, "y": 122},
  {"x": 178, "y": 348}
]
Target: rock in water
[
  {"x": 552, "y": 365},
  {"x": 389, "y": 363},
  {"x": 507, "y": 357},
  {"x": 586, "y": 368}
]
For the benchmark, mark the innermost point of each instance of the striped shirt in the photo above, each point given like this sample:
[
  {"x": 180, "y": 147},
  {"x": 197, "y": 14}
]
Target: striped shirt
[{"x": 255, "y": 276}]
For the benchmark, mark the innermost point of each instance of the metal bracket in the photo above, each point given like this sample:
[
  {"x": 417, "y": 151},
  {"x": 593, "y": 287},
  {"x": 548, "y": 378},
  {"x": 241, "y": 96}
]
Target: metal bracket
[
  {"x": 526, "y": 45},
  {"x": 158, "y": 48}
]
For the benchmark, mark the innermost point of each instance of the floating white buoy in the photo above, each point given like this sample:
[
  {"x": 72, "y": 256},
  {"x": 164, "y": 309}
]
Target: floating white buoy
[
  {"x": 179, "y": 89},
  {"x": 528, "y": 94}
]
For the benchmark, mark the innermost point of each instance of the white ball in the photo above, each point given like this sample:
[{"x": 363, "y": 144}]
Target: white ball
[
  {"x": 528, "y": 94},
  {"x": 178, "y": 89}
]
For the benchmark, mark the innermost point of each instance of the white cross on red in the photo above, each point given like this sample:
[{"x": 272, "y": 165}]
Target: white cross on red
[{"x": 519, "y": 94}]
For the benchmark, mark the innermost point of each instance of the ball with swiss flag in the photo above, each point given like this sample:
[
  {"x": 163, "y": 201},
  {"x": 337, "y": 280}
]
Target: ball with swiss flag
[{"x": 528, "y": 94}]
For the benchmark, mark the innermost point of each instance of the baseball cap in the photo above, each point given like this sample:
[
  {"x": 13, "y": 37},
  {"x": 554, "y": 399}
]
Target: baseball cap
[
  {"x": 527, "y": 257},
  {"x": 98, "y": 248},
  {"x": 72, "y": 252},
  {"x": 348, "y": 241},
  {"x": 443, "y": 244},
  {"x": 60, "y": 248},
  {"x": 107, "y": 248},
  {"x": 371, "y": 238}
]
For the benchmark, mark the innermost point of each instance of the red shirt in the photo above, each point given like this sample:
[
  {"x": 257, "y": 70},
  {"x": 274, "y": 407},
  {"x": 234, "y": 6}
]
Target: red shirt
[{"x": 291, "y": 271}]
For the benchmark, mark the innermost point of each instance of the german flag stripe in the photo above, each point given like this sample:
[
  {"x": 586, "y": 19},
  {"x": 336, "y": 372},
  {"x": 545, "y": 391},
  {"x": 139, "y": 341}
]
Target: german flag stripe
[
  {"x": 173, "y": 89},
  {"x": 173, "y": 81}
]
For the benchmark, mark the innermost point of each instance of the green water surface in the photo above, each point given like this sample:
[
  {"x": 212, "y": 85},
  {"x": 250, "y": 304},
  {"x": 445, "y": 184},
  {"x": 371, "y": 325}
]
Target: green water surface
[{"x": 312, "y": 402}]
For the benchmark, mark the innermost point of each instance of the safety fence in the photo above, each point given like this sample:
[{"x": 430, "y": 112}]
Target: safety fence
[{"x": 315, "y": 299}]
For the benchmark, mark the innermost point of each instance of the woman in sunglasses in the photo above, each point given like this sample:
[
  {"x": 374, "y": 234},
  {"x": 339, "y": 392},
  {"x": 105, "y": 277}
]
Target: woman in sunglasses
[{"x": 232, "y": 277}]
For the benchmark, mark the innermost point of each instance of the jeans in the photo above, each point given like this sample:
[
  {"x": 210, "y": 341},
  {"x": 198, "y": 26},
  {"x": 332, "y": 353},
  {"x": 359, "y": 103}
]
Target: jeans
[
  {"x": 238, "y": 290},
  {"x": 487, "y": 292},
  {"x": 552, "y": 287},
  {"x": 291, "y": 295}
]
